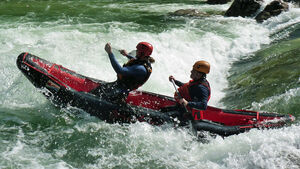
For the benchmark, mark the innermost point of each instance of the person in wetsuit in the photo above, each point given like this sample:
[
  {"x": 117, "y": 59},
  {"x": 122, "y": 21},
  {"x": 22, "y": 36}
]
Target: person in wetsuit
[
  {"x": 130, "y": 76},
  {"x": 195, "y": 93}
]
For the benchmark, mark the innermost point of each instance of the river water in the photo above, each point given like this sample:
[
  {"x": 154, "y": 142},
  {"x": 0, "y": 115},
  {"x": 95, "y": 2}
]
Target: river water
[{"x": 253, "y": 66}]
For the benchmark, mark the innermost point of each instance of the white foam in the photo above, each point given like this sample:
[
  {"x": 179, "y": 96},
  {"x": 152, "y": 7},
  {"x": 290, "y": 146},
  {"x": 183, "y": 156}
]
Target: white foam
[
  {"x": 219, "y": 40},
  {"x": 178, "y": 149},
  {"x": 20, "y": 154}
]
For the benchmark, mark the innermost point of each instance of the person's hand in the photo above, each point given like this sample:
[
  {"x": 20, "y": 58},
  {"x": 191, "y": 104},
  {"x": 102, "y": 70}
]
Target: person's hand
[
  {"x": 182, "y": 101},
  {"x": 171, "y": 78},
  {"x": 124, "y": 52},
  {"x": 108, "y": 48},
  {"x": 176, "y": 97}
]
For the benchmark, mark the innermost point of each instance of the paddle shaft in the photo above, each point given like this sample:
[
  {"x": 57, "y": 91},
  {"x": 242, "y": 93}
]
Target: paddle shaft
[
  {"x": 132, "y": 53},
  {"x": 190, "y": 117},
  {"x": 116, "y": 49},
  {"x": 172, "y": 80}
]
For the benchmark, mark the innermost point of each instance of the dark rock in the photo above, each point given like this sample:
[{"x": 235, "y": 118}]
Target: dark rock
[
  {"x": 243, "y": 8},
  {"x": 272, "y": 9},
  {"x": 297, "y": 2},
  {"x": 218, "y": 1},
  {"x": 188, "y": 12}
]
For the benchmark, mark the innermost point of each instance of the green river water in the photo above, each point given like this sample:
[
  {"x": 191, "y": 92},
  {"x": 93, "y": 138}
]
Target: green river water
[{"x": 253, "y": 66}]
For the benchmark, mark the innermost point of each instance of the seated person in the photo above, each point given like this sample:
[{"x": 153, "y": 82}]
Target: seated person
[{"x": 196, "y": 92}]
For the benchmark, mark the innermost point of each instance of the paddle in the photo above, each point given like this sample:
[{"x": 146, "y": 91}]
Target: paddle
[
  {"x": 114, "y": 48},
  {"x": 132, "y": 53},
  {"x": 178, "y": 94},
  {"x": 185, "y": 109}
]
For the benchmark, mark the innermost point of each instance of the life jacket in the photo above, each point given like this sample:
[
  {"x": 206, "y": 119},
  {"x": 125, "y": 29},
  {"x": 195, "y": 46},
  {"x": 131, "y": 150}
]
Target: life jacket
[
  {"x": 131, "y": 82},
  {"x": 184, "y": 89},
  {"x": 184, "y": 93}
]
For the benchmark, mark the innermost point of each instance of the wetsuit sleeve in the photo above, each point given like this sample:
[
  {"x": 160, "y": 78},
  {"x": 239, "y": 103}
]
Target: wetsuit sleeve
[
  {"x": 199, "y": 95},
  {"x": 136, "y": 70},
  {"x": 178, "y": 83},
  {"x": 117, "y": 67}
]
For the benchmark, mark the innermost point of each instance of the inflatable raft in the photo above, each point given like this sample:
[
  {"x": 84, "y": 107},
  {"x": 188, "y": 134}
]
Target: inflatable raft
[{"x": 65, "y": 87}]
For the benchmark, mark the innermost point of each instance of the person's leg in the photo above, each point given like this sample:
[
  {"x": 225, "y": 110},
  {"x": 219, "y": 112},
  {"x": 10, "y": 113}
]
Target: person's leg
[{"x": 103, "y": 90}]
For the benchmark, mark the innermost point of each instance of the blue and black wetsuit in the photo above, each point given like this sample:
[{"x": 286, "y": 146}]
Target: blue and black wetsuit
[{"x": 131, "y": 75}]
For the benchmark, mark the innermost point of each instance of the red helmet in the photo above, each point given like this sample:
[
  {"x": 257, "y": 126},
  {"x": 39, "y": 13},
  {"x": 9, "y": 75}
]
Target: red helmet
[{"x": 145, "y": 47}]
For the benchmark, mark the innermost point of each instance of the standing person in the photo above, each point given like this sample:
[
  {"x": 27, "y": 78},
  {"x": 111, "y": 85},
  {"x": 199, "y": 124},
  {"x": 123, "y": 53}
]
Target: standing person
[
  {"x": 195, "y": 93},
  {"x": 130, "y": 76}
]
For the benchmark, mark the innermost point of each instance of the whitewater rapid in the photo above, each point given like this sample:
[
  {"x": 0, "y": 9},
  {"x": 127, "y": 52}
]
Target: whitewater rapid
[{"x": 35, "y": 134}]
